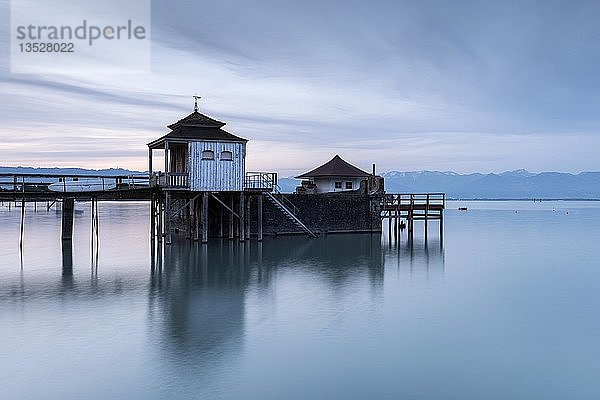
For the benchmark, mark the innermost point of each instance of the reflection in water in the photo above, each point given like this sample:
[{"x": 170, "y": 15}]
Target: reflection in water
[
  {"x": 200, "y": 291},
  {"x": 345, "y": 316},
  {"x": 414, "y": 256},
  {"x": 207, "y": 299}
]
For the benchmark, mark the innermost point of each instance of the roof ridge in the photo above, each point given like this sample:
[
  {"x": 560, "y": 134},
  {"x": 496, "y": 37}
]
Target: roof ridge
[
  {"x": 197, "y": 119},
  {"x": 337, "y": 166}
]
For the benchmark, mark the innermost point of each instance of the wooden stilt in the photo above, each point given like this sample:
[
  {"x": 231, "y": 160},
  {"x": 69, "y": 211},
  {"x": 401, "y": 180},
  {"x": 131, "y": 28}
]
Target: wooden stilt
[
  {"x": 248, "y": 217},
  {"x": 68, "y": 208},
  {"x": 389, "y": 226},
  {"x": 205, "y": 217},
  {"x": 260, "y": 218},
  {"x": 22, "y": 224},
  {"x": 197, "y": 218},
  {"x": 167, "y": 214},
  {"x": 221, "y": 229},
  {"x": 441, "y": 227},
  {"x": 153, "y": 220},
  {"x": 190, "y": 214},
  {"x": 426, "y": 216},
  {"x": 160, "y": 223},
  {"x": 67, "y": 257},
  {"x": 242, "y": 217},
  {"x": 231, "y": 219}
]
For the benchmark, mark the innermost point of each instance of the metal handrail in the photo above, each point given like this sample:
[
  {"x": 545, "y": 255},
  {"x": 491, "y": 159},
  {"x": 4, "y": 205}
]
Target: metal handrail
[
  {"x": 277, "y": 190},
  {"x": 260, "y": 180}
]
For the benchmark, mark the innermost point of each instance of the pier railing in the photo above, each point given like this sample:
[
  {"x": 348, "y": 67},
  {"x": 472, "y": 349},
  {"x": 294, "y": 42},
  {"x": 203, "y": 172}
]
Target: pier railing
[
  {"x": 28, "y": 183},
  {"x": 260, "y": 180},
  {"x": 414, "y": 201},
  {"x": 178, "y": 179}
]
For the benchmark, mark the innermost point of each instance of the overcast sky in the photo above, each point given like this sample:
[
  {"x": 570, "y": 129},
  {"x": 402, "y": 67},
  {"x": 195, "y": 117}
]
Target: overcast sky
[{"x": 468, "y": 86}]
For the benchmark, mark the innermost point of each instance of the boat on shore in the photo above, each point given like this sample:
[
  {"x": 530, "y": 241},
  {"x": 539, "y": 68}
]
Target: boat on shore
[{"x": 80, "y": 185}]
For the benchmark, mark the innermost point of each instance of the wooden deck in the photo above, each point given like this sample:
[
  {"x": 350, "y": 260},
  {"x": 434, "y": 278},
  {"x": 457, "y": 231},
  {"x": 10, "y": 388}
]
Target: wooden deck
[
  {"x": 402, "y": 209},
  {"x": 34, "y": 187}
]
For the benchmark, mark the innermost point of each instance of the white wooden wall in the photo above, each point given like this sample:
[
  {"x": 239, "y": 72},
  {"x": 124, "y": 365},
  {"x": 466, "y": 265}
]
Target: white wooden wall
[
  {"x": 327, "y": 185},
  {"x": 217, "y": 174}
]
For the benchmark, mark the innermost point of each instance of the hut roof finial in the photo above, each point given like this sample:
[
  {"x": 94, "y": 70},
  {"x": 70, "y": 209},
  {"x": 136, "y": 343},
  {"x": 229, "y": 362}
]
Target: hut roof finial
[{"x": 196, "y": 98}]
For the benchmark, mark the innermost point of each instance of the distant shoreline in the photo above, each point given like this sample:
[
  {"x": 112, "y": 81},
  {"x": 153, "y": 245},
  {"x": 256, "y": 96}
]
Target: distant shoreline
[{"x": 536, "y": 200}]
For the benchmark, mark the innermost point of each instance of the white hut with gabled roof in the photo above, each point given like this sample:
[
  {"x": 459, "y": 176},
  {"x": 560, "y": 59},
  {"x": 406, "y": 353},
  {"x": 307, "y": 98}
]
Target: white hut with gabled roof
[{"x": 336, "y": 175}]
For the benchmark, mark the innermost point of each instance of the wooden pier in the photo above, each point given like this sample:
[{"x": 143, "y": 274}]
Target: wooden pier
[
  {"x": 403, "y": 209},
  {"x": 200, "y": 214},
  {"x": 174, "y": 207},
  {"x": 205, "y": 191}
]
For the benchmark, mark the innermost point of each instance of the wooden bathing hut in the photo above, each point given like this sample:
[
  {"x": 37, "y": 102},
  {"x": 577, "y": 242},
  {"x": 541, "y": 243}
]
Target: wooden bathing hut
[{"x": 204, "y": 188}]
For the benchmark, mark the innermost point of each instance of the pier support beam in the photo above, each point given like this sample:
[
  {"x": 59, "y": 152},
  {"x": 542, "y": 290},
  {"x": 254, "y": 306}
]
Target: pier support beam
[
  {"x": 153, "y": 220},
  {"x": 67, "y": 219},
  {"x": 259, "y": 218},
  {"x": 197, "y": 209},
  {"x": 221, "y": 221},
  {"x": 231, "y": 221},
  {"x": 160, "y": 220},
  {"x": 242, "y": 217},
  {"x": 67, "y": 257},
  {"x": 248, "y": 201},
  {"x": 205, "y": 217},
  {"x": 168, "y": 217},
  {"x": 441, "y": 228}
]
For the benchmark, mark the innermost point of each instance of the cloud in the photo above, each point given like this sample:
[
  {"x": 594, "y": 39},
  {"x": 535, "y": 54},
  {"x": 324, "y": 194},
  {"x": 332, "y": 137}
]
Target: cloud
[{"x": 464, "y": 84}]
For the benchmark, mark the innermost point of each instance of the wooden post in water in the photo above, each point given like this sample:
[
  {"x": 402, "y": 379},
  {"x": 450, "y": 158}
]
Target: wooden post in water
[
  {"x": 191, "y": 215},
  {"x": 441, "y": 228},
  {"x": 259, "y": 218},
  {"x": 168, "y": 217},
  {"x": 22, "y": 223},
  {"x": 411, "y": 216},
  {"x": 242, "y": 217},
  {"x": 248, "y": 217},
  {"x": 426, "y": 215},
  {"x": 205, "y": 217},
  {"x": 390, "y": 226},
  {"x": 221, "y": 221},
  {"x": 159, "y": 221},
  {"x": 152, "y": 219},
  {"x": 67, "y": 257},
  {"x": 197, "y": 218},
  {"x": 68, "y": 209},
  {"x": 231, "y": 221}
]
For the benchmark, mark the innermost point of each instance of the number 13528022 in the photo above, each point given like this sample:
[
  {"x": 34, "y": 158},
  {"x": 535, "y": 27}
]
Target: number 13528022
[{"x": 29, "y": 47}]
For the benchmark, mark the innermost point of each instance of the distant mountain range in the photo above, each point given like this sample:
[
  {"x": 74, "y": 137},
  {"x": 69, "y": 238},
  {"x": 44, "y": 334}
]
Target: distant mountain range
[
  {"x": 518, "y": 184},
  {"x": 68, "y": 171}
]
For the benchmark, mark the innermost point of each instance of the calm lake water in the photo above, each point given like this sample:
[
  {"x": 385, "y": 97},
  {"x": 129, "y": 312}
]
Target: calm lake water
[{"x": 506, "y": 308}]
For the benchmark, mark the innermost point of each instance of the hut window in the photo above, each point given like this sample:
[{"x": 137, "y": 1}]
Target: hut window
[
  {"x": 208, "y": 155},
  {"x": 348, "y": 185},
  {"x": 226, "y": 155},
  {"x": 338, "y": 185}
]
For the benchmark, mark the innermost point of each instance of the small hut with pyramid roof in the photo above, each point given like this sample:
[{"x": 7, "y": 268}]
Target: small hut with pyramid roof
[
  {"x": 336, "y": 175},
  {"x": 200, "y": 156}
]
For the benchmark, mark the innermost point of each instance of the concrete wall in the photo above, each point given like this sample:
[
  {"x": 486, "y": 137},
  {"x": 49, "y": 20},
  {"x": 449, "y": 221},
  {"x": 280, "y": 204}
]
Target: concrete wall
[
  {"x": 328, "y": 212},
  {"x": 322, "y": 213}
]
